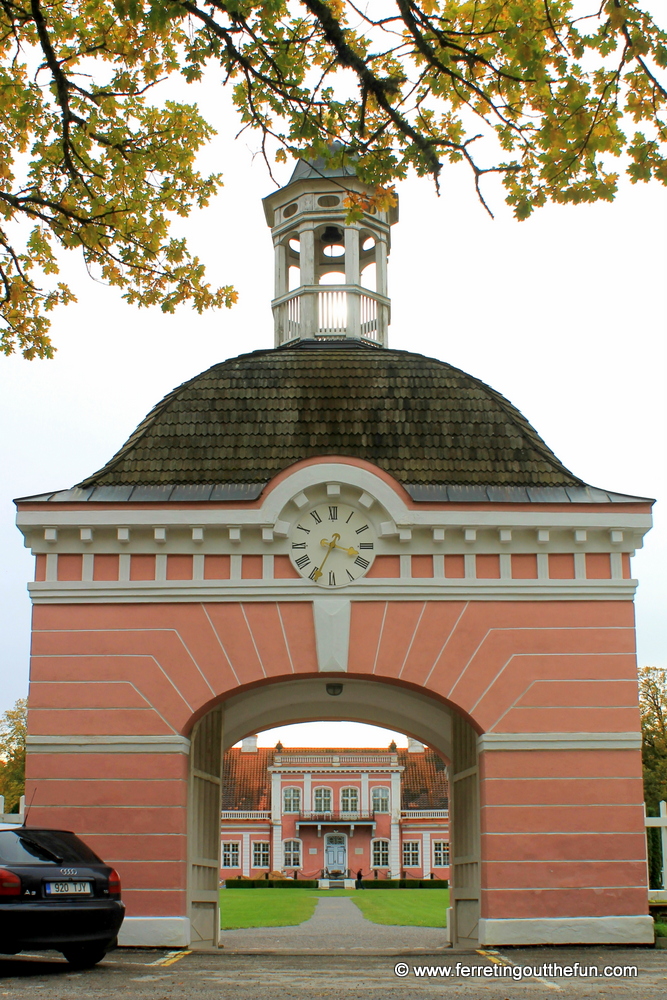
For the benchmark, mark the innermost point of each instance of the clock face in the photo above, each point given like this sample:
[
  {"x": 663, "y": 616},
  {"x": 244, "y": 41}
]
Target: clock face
[{"x": 332, "y": 545}]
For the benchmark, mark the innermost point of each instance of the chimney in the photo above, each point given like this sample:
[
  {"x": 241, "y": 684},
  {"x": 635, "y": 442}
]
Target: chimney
[
  {"x": 414, "y": 746},
  {"x": 249, "y": 744}
]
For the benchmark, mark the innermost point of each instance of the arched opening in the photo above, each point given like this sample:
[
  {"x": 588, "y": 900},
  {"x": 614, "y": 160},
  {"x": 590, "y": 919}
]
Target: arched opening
[{"x": 332, "y": 697}]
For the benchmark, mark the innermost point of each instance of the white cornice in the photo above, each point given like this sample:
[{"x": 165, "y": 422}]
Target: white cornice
[
  {"x": 100, "y": 592},
  {"x": 559, "y": 741},
  {"x": 267, "y": 516},
  {"x": 108, "y": 744}
]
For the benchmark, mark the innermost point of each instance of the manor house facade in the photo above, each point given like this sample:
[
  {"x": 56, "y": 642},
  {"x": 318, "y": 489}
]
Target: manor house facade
[{"x": 318, "y": 813}]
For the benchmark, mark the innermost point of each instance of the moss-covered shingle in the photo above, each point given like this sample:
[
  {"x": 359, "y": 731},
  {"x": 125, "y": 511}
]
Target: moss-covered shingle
[{"x": 421, "y": 420}]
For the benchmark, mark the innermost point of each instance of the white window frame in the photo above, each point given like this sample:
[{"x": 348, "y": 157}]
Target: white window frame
[
  {"x": 299, "y": 794},
  {"x": 376, "y": 845},
  {"x": 323, "y": 788},
  {"x": 414, "y": 849},
  {"x": 256, "y": 850},
  {"x": 230, "y": 847},
  {"x": 292, "y": 864},
  {"x": 441, "y": 847},
  {"x": 387, "y": 791},
  {"x": 347, "y": 790}
]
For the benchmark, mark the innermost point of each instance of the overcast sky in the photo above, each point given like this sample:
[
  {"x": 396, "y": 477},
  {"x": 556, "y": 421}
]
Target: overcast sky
[{"x": 565, "y": 314}]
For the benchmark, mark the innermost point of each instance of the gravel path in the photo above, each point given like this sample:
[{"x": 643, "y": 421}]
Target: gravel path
[{"x": 337, "y": 925}]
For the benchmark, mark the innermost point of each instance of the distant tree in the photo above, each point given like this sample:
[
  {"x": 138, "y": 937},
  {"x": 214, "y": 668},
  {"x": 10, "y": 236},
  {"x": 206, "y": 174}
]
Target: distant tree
[
  {"x": 653, "y": 705},
  {"x": 555, "y": 97},
  {"x": 13, "y": 731}
]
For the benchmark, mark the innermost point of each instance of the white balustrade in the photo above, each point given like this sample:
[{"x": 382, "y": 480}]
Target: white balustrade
[
  {"x": 425, "y": 813},
  {"x": 244, "y": 814}
]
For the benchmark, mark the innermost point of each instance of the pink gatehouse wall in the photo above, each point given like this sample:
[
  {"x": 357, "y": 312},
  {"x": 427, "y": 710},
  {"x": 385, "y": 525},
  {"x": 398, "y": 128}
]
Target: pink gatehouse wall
[{"x": 512, "y": 655}]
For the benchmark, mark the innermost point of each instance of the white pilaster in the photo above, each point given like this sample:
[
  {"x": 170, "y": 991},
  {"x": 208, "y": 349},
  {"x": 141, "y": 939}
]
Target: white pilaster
[
  {"x": 276, "y": 822},
  {"x": 198, "y": 566},
  {"x": 307, "y": 803},
  {"x": 51, "y": 566},
  {"x": 245, "y": 855},
  {"x": 395, "y": 839},
  {"x": 88, "y": 565},
  {"x": 427, "y": 863},
  {"x": 365, "y": 804},
  {"x": 124, "y": 566}
]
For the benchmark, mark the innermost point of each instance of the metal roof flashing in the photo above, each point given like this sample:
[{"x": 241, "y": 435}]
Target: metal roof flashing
[{"x": 421, "y": 493}]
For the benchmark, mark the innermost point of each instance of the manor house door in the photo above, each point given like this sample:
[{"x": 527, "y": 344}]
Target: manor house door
[{"x": 334, "y": 852}]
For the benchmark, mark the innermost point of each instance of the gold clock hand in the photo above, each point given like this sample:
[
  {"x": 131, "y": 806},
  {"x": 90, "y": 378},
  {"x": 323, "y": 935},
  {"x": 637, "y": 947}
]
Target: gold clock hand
[
  {"x": 350, "y": 551},
  {"x": 330, "y": 546}
]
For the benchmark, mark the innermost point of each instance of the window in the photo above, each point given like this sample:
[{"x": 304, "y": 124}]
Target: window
[
  {"x": 292, "y": 853},
  {"x": 349, "y": 800},
  {"x": 411, "y": 854},
  {"x": 230, "y": 855},
  {"x": 292, "y": 800},
  {"x": 322, "y": 800},
  {"x": 440, "y": 853},
  {"x": 380, "y": 800},
  {"x": 260, "y": 854},
  {"x": 380, "y": 854}
]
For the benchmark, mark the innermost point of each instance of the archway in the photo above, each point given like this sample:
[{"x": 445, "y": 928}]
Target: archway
[{"x": 378, "y": 702}]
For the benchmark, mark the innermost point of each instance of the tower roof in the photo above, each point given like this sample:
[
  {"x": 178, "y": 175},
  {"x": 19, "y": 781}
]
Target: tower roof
[
  {"x": 421, "y": 420},
  {"x": 307, "y": 169}
]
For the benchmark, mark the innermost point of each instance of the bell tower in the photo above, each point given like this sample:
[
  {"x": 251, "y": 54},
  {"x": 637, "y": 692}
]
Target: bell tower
[{"x": 330, "y": 274}]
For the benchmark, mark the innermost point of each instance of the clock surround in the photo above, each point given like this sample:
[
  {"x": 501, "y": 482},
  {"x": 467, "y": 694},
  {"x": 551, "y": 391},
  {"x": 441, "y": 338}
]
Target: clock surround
[{"x": 332, "y": 544}]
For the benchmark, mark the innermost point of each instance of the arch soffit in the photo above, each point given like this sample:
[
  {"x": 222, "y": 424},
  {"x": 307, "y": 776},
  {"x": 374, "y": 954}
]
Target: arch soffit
[{"x": 377, "y": 702}]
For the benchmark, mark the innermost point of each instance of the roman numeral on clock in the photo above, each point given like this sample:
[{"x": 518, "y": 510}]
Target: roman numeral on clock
[
  {"x": 301, "y": 528},
  {"x": 316, "y": 517},
  {"x": 301, "y": 545},
  {"x": 349, "y": 575},
  {"x": 363, "y": 528},
  {"x": 332, "y": 579},
  {"x": 362, "y": 545},
  {"x": 303, "y": 561},
  {"x": 360, "y": 561},
  {"x": 333, "y": 513}
]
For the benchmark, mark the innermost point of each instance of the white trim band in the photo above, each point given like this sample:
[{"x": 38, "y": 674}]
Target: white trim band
[
  {"x": 370, "y": 589},
  {"x": 567, "y": 930},
  {"x": 108, "y": 744},
  {"x": 559, "y": 741},
  {"x": 155, "y": 932}
]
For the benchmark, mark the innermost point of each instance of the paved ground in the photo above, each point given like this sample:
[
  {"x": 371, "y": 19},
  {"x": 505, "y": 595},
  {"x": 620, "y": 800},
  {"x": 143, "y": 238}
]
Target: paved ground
[
  {"x": 130, "y": 974},
  {"x": 370, "y": 962},
  {"x": 337, "y": 926}
]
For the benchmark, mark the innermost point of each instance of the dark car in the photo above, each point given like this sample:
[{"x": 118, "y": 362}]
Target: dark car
[{"x": 56, "y": 893}]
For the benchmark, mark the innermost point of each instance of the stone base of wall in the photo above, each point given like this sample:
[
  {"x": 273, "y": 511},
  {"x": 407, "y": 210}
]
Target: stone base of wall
[
  {"x": 155, "y": 932},
  {"x": 567, "y": 930}
]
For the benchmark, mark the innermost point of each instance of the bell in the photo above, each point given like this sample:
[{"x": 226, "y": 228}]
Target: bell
[{"x": 332, "y": 236}]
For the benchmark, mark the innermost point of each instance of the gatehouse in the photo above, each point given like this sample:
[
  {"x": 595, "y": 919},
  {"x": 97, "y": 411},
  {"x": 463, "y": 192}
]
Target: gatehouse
[{"x": 334, "y": 530}]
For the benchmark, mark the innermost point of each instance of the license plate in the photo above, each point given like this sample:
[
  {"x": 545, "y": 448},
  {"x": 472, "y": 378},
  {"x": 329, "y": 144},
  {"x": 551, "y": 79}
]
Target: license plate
[{"x": 68, "y": 889}]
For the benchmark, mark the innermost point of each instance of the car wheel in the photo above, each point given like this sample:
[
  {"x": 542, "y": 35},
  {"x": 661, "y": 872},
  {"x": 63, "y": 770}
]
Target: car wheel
[{"x": 85, "y": 956}]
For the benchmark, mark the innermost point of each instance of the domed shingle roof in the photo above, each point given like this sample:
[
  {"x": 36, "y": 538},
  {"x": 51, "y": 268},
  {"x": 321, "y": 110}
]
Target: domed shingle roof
[{"x": 421, "y": 420}]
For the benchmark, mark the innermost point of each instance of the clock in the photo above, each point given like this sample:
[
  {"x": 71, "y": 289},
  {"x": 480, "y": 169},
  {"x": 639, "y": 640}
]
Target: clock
[{"x": 332, "y": 545}]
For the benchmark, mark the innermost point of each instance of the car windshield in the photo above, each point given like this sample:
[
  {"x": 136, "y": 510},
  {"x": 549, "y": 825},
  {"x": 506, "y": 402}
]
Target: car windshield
[{"x": 25, "y": 846}]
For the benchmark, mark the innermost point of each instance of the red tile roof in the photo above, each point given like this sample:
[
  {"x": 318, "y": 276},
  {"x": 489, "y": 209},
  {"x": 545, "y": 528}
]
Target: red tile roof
[{"x": 247, "y": 783}]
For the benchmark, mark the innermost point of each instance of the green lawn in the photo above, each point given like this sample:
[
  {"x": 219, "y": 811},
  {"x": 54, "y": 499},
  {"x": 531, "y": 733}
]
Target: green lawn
[
  {"x": 265, "y": 907},
  {"x": 406, "y": 907},
  {"x": 284, "y": 907}
]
